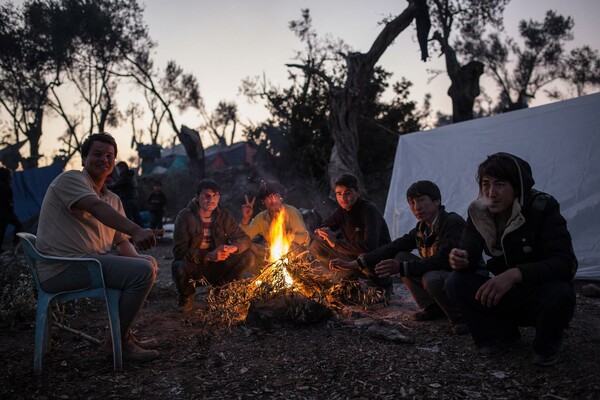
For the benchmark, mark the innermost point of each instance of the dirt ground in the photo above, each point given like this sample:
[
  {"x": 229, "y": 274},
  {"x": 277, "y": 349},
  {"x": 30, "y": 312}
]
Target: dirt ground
[{"x": 336, "y": 359}]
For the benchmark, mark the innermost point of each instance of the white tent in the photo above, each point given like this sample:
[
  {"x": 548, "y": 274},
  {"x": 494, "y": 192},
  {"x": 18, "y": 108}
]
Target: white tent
[{"x": 561, "y": 142}]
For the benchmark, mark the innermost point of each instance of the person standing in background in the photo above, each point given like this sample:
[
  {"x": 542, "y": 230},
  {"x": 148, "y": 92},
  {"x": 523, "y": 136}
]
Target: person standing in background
[
  {"x": 157, "y": 201},
  {"x": 7, "y": 213},
  {"x": 126, "y": 188}
]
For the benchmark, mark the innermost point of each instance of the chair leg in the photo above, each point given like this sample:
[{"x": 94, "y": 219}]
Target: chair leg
[
  {"x": 42, "y": 333},
  {"x": 112, "y": 301}
]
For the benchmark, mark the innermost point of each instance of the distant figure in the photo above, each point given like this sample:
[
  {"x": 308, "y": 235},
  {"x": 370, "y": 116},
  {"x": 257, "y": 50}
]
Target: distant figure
[
  {"x": 354, "y": 228},
  {"x": 208, "y": 244},
  {"x": 271, "y": 195},
  {"x": 157, "y": 201},
  {"x": 528, "y": 279},
  {"x": 7, "y": 213},
  {"x": 126, "y": 188}
]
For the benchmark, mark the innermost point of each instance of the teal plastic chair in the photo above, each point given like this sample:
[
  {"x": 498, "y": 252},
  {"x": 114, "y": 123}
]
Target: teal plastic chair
[{"x": 96, "y": 288}]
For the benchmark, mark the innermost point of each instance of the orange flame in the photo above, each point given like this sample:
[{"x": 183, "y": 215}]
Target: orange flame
[{"x": 280, "y": 245}]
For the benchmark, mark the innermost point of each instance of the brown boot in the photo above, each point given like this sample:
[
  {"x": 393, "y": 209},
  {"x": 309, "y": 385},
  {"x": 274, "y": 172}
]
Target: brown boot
[
  {"x": 132, "y": 352},
  {"x": 149, "y": 344},
  {"x": 186, "y": 304}
]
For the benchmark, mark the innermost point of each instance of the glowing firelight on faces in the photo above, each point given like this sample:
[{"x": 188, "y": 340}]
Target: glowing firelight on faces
[{"x": 280, "y": 245}]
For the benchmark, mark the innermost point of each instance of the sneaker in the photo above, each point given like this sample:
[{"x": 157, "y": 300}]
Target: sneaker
[
  {"x": 429, "y": 313},
  {"x": 545, "y": 361},
  {"x": 186, "y": 304},
  {"x": 459, "y": 328}
]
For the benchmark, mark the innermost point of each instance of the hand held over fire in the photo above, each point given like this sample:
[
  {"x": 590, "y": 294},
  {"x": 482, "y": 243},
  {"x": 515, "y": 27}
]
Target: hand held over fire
[
  {"x": 327, "y": 234},
  {"x": 337, "y": 264}
]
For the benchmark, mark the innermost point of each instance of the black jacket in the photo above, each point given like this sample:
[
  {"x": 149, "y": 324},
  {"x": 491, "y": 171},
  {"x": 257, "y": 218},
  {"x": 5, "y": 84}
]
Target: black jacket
[
  {"x": 536, "y": 239},
  {"x": 157, "y": 200},
  {"x": 359, "y": 230},
  {"x": 434, "y": 249}
]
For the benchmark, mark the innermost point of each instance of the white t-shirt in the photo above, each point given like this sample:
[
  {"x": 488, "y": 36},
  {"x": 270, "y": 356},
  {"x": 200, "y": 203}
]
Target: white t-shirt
[{"x": 66, "y": 232}]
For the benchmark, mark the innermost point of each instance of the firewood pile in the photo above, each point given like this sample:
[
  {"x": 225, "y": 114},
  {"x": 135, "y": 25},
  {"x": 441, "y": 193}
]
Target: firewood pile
[{"x": 287, "y": 290}]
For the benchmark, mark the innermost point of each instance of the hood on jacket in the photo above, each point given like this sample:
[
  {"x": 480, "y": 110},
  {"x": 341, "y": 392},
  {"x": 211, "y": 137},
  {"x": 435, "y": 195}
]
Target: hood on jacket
[
  {"x": 526, "y": 180},
  {"x": 518, "y": 171}
]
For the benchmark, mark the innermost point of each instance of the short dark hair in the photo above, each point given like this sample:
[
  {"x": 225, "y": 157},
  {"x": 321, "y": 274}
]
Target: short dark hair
[
  {"x": 122, "y": 164},
  {"x": 268, "y": 188},
  {"x": 208, "y": 184},
  {"x": 347, "y": 180},
  {"x": 97, "y": 137},
  {"x": 500, "y": 166},
  {"x": 424, "y": 188}
]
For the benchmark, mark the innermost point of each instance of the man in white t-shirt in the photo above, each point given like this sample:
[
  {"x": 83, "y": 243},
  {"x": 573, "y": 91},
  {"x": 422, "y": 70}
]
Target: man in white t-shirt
[{"x": 80, "y": 217}]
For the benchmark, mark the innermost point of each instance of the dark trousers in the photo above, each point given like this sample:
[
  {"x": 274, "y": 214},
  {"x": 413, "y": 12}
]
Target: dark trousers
[
  {"x": 134, "y": 276},
  {"x": 237, "y": 266},
  {"x": 429, "y": 289},
  {"x": 11, "y": 219},
  {"x": 547, "y": 306},
  {"x": 156, "y": 217}
]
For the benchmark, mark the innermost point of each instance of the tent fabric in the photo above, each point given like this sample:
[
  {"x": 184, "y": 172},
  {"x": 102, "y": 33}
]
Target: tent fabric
[
  {"x": 29, "y": 188},
  {"x": 561, "y": 142}
]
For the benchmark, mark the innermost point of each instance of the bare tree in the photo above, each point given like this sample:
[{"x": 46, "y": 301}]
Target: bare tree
[
  {"x": 105, "y": 32},
  {"x": 345, "y": 99},
  {"x": 538, "y": 62},
  {"x": 582, "y": 69},
  {"x": 30, "y": 65},
  {"x": 469, "y": 18},
  {"x": 173, "y": 88},
  {"x": 221, "y": 123}
]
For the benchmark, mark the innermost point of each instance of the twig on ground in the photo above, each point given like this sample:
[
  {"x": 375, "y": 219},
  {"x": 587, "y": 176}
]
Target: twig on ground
[{"x": 78, "y": 333}]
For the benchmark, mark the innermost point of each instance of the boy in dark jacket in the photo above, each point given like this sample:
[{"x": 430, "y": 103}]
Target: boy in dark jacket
[
  {"x": 207, "y": 244},
  {"x": 528, "y": 279},
  {"x": 355, "y": 227}
]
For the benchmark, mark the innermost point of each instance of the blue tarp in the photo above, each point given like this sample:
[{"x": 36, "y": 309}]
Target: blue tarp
[{"x": 29, "y": 188}]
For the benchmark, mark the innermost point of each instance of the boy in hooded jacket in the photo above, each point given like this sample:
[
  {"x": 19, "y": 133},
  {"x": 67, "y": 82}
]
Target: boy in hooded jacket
[{"x": 528, "y": 277}]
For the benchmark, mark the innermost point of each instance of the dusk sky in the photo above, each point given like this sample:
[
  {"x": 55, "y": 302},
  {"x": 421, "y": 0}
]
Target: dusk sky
[{"x": 222, "y": 42}]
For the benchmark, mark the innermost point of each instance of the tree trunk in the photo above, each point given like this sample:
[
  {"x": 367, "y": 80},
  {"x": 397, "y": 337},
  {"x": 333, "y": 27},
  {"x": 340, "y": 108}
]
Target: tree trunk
[
  {"x": 345, "y": 102},
  {"x": 343, "y": 124},
  {"x": 34, "y": 133},
  {"x": 464, "y": 90},
  {"x": 190, "y": 139}
]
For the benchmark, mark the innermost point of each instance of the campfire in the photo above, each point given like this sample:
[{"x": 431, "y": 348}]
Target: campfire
[
  {"x": 288, "y": 288},
  {"x": 279, "y": 255}
]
